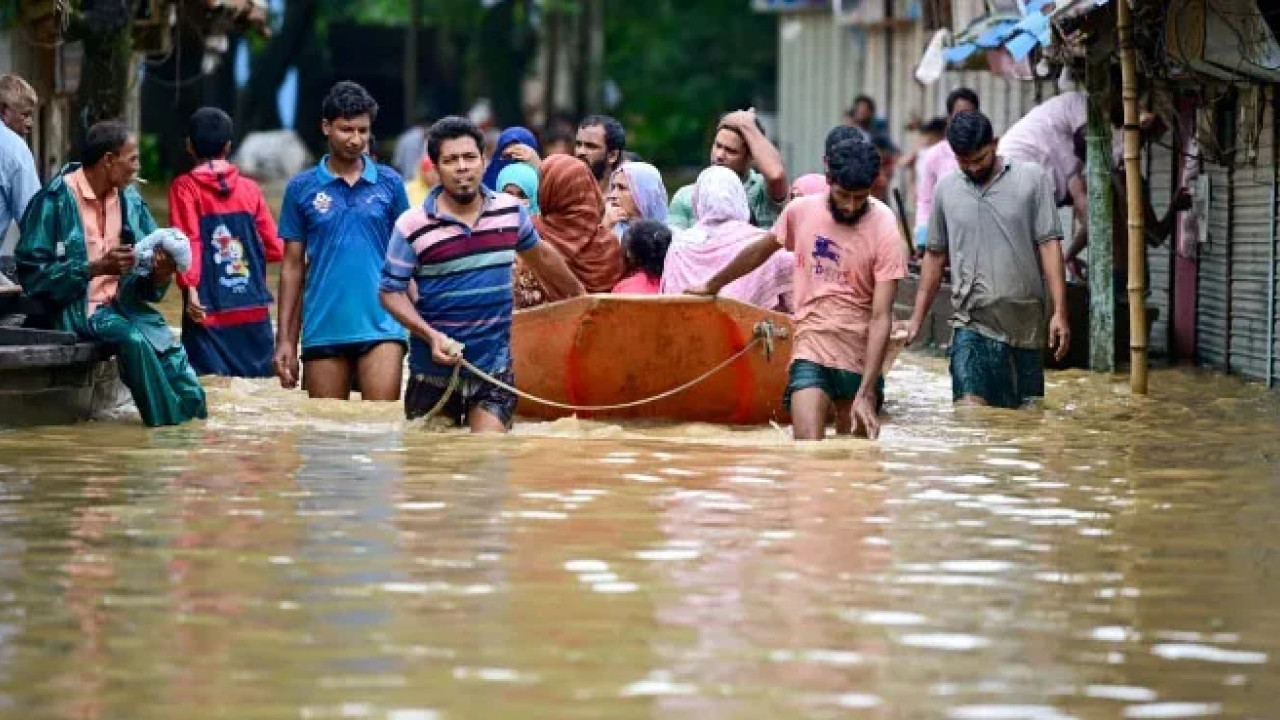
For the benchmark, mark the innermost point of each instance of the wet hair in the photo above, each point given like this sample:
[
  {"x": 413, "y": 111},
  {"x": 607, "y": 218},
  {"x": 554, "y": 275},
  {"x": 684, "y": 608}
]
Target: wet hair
[
  {"x": 936, "y": 126},
  {"x": 962, "y": 93},
  {"x": 452, "y": 127},
  {"x": 853, "y": 165},
  {"x": 615, "y": 136},
  {"x": 843, "y": 133},
  {"x": 348, "y": 100},
  {"x": 209, "y": 130},
  {"x": 968, "y": 132},
  {"x": 104, "y": 137},
  {"x": 645, "y": 244}
]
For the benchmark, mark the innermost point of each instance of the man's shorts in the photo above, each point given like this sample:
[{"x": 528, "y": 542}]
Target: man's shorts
[
  {"x": 839, "y": 385},
  {"x": 345, "y": 351},
  {"x": 1002, "y": 375},
  {"x": 424, "y": 391}
]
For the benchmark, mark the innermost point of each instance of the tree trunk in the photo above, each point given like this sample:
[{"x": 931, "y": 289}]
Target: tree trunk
[
  {"x": 256, "y": 106},
  {"x": 1133, "y": 187},
  {"x": 104, "y": 28},
  {"x": 411, "y": 60},
  {"x": 505, "y": 69},
  {"x": 1102, "y": 296}
]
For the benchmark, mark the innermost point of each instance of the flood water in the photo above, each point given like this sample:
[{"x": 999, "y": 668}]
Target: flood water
[{"x": 1103, "y": 557}]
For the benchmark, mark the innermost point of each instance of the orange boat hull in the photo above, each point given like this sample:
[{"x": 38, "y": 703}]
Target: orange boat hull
[{"x": 615, "y": 349}]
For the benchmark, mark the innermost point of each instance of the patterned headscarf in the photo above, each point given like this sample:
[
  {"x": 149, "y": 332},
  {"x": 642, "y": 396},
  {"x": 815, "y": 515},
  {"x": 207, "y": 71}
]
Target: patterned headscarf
[{"x": 648, "y": 191}]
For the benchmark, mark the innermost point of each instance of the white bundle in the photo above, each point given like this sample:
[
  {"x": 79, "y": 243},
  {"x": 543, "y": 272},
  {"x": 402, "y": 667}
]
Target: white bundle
[{"x": 173, "y": 241}]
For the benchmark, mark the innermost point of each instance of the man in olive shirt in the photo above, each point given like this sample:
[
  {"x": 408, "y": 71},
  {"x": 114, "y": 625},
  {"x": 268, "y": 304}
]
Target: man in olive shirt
[
  {"x": 741, "y": 146},
  {"x": 998, "y": 221}
]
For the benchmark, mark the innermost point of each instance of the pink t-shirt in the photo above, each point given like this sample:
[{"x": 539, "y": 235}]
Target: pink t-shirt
[
  {"x": 837, "y": 268},
  {"x": 932, "y": 165},
  {"x": 638, "y": 284}
]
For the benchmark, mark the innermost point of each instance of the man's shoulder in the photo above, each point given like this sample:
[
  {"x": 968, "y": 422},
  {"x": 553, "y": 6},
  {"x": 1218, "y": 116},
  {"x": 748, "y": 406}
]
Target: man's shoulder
[
  {"x": 388, "y": 175},
  {"x": 302, "y": 182},
  {"x": 949, "y": 183}
]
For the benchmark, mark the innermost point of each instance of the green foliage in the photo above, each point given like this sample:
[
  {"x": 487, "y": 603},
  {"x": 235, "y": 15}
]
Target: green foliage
[
  {"x": 153, "y": 167},
  {"x": 680, "y": 65}
]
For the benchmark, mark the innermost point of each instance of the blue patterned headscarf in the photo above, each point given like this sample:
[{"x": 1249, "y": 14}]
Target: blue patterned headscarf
[{"x": 511, "y": 136}]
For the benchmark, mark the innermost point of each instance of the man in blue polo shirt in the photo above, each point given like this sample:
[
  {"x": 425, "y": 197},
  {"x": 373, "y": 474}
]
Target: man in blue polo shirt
[
  {"x": 460, "y": 246},
  {"x": 335, "y": 221}
]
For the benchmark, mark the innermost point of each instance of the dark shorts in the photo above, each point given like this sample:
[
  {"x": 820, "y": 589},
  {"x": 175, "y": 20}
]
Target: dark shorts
[
  {"x": 424, "y": 391},
  {"x": 839, "y": 385},
  {"x": 346, "y": 351},
  {"x": 1002, "y": 375}
]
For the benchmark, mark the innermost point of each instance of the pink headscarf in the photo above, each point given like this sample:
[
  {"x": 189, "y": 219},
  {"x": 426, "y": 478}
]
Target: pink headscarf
[
  {"x": 722, "y": 231},
  {"x": 811, "y": 184}
]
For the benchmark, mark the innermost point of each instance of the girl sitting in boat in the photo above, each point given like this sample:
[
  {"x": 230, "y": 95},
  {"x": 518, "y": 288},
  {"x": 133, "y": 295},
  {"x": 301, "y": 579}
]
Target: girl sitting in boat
[
  {"x": 721, "y": 232},
  {"x": 645, "y": 247}
]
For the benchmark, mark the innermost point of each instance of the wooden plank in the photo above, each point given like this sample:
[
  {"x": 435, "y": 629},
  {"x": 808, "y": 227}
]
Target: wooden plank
[{"x": 29, "y": 336}]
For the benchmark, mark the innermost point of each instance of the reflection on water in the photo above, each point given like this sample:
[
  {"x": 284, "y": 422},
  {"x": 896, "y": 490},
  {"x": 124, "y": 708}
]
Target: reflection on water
[{"x": 1104, "y": 557}]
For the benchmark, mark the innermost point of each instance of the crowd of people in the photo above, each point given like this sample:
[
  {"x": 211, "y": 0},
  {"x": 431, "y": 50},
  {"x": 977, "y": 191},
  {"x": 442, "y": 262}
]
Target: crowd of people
[{"x": 377, "y": 266}]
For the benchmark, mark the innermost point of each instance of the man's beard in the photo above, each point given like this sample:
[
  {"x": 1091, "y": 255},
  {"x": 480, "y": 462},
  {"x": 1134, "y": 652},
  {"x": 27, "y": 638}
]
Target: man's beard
[
  {"x": 981, "y": 178},
  {"x": 462, "y": 197},
  {"x": 599, "y": 168},
  {"x": 845, "y": 218}
]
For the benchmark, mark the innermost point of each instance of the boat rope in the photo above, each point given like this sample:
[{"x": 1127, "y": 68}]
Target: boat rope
[{"x": 765, "y": 335}]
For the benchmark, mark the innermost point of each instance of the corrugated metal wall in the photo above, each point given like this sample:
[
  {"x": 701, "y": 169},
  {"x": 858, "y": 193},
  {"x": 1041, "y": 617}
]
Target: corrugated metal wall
[
  {"x": 1212, "y": 274},
  {"x": 1160, "y": 173},
  {"x": 1251, "y": 240}
]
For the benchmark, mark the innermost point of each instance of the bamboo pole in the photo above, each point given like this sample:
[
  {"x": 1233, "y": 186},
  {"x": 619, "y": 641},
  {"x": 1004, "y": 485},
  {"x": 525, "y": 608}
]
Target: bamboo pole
[
  {"x": 1102, "y": 291},
  {"x": 1133, "y": 187}
]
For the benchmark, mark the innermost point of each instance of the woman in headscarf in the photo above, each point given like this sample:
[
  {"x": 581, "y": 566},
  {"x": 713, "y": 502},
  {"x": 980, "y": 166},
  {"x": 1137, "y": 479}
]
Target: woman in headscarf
[
  {"x": 521, "y": 182},
  {"x": 509, "y": 137},
  {"x": 722, "y": 230},
  {"x": 811, "y": 184},
  {"x": 572, "y": 209},
  {"x": 636, "y": 192}
]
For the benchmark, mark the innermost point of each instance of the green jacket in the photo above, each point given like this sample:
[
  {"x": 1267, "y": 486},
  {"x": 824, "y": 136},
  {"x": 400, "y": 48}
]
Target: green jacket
[{"x": 53, "y": 263}]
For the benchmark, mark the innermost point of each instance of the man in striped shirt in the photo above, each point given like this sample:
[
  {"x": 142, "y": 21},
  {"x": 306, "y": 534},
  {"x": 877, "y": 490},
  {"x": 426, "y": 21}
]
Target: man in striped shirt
[{"x": 459, "y": 248}]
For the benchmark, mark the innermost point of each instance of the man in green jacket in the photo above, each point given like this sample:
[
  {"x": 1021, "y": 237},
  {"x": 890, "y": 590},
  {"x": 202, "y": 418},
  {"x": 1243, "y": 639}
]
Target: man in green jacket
[{"x": 76, "y": 258}]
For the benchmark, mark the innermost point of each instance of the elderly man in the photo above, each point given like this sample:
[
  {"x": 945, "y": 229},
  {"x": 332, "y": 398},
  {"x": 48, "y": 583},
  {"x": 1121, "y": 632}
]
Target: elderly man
[
  {"x": 76, "y": 258},
  {"x": 741, "y": 146},
  {"x": 18, "y": 178}
]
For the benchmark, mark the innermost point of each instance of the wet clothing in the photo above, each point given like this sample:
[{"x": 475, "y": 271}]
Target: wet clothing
[
  {"x": 347, "y": 351},
  {"x": 424, "y": 391},
  {"x": 837, "y": 269},
  {"x": 839, "y": 385},
  {"x": 1002, "y": 375},
  {"x": 53, "y": 266},
  {"x": 463, "y": 275},
  {"x": 345, "y": 230},
  {"x": 993, "y": 236},
  {"x": 233, "y": 238},
  {"x": 764, "y": 210}
]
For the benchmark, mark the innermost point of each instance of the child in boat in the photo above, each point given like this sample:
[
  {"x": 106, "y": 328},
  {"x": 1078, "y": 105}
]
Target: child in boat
[{"x": 645, "y": 246}]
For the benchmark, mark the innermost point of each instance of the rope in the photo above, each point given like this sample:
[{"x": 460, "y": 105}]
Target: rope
[{"x": 764, "y": 335}]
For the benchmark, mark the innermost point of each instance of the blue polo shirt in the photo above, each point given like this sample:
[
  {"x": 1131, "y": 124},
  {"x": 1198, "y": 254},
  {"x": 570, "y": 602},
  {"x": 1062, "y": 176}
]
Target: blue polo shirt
[{"x": 344, "y": 230}]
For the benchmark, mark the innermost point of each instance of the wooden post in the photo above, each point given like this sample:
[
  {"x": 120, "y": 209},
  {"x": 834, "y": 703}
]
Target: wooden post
[
  {"x": 1102, "y": 292},
  {"x": 1133, "y": 187}
]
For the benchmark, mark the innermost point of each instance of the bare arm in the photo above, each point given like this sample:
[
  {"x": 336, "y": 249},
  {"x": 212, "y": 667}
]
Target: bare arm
[
  {"x": 877, "y": 337},
  {"x": 764, "y": 155},
  {"x": 930, "y": 281},
  {"x": 1080, "y": 210},
  {"x": 748, "y": 259},
  {"x": 291, "y": 281},
  {"x": 551, "y": 269},
  {"x": 1055, "y": 277}
]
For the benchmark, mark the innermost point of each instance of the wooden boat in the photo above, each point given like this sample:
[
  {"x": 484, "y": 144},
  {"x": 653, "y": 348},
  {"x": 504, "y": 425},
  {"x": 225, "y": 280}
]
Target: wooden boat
[{"x": 615, "y": 349}]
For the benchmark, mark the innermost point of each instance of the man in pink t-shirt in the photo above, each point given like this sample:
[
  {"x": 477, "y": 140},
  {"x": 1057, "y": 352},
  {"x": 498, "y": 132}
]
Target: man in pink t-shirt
[{"x": 849, "y": 259}]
